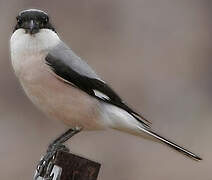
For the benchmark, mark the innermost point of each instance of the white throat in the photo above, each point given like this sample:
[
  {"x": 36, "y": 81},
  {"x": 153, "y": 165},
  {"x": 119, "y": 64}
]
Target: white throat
[
  {"x": 22, "y": 43},
  {"x": 28, "y": 49}
]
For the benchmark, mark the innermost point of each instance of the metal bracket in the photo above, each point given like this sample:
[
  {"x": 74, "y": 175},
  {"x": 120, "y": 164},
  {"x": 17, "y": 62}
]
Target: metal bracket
[{"x": 55, "y": 173}]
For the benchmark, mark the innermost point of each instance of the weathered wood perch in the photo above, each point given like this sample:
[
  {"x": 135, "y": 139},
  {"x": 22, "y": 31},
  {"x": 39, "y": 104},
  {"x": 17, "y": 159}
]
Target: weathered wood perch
[{"x": 68, "y": 166}]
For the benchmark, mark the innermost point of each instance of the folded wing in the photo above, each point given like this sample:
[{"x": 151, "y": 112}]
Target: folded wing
[{"x": 73, "y": 70}]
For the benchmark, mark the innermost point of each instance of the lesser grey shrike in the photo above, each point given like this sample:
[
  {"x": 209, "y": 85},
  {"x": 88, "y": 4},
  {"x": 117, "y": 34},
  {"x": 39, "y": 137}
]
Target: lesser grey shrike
[{"x": 66, "y": 88}]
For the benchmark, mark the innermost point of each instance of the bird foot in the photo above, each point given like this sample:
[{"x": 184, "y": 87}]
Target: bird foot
[{"x": 45, "y": 165}]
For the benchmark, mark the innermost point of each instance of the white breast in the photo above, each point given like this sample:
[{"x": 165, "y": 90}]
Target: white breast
[{"x": 54, "y": 97}]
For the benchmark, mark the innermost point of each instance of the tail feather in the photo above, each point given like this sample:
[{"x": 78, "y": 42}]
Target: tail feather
[{"x": 171, "y": 144}]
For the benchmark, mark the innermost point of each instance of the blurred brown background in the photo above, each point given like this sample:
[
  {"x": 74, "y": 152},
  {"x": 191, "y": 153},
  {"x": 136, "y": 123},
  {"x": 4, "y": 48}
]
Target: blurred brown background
[{"x": 154, "y": 53}]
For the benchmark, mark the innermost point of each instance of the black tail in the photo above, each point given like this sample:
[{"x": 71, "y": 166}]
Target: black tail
[{"x": 171, "y": 144}]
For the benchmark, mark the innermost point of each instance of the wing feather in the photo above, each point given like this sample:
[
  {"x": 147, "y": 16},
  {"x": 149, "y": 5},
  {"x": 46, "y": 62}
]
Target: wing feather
[{"x": 68, "y": 66}]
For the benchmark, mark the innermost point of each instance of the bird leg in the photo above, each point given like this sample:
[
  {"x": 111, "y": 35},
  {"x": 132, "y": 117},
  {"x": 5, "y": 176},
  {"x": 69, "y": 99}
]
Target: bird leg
[{"x": 45, "y": 165}]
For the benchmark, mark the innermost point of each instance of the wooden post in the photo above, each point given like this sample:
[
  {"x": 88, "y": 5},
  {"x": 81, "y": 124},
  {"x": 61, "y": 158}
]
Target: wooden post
[{"x": 68, "y": 166}]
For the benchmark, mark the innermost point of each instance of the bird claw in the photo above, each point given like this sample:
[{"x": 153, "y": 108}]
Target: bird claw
[{"x": 45, "y": 165}]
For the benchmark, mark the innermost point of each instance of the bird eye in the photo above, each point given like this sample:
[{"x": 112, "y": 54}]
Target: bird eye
[
  {"x": 45, "y": 19},
  {"x": 19, "y": 20}
]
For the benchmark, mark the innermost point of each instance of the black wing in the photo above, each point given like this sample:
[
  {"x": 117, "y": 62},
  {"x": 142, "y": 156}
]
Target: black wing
[{"x": 88, "y": 82}]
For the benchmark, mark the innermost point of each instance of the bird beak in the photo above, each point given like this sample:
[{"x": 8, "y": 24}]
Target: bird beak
[{"x": 32, "y": 27}]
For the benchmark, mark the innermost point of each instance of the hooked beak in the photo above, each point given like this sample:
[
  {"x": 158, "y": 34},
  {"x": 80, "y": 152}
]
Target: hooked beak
[{"x": 32, "y": 27}]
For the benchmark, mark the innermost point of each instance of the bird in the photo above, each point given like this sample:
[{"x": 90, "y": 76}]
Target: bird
[{"x": 64, "y": 87}]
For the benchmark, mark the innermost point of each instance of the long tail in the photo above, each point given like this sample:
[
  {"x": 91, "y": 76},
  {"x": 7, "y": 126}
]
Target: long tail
[{"x": 171, "y": 144}]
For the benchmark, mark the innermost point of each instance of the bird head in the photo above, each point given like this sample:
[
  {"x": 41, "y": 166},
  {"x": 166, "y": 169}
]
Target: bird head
[{"x": 32, "y": 21}]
